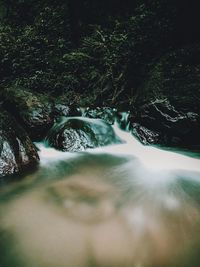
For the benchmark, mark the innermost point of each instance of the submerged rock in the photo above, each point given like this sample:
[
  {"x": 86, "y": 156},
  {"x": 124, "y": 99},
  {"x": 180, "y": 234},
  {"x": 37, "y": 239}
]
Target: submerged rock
[
  {"x": 17, "y": 152},
  {"x": 77, "y": 134}
]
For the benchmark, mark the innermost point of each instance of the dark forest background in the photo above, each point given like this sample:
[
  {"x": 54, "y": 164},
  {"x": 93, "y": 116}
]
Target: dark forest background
[{"x": 91, "y": 51}]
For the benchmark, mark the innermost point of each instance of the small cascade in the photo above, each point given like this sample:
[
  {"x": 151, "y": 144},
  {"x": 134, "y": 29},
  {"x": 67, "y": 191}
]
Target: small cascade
[
  {"x": 123, "y": 122},
  {"x": 152, "y": 157}
]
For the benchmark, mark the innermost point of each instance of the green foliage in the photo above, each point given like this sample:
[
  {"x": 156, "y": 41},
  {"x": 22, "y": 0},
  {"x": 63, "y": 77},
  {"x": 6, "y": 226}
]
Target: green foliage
[
  {"x": 121, "y": 56},
  {"x": 31, "y": 56},
  {"x": 176, "y": 77},
  {"x": 110, "y": 63},
  {"x": 109, "y": 53}
]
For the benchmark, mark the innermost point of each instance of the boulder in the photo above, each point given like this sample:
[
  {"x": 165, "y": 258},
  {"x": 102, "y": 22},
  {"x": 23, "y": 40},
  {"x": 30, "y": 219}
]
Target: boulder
[
  {"x": 17, "y": 152},
  {"x": 77, "y": 134},
  {"x": 35, "y": 112},
  {"x": 32, "y": 111},
  {"x": 144, "y": 135},
  {"x": 168, "y": 104},
  {"x": 158, "y": 122}
]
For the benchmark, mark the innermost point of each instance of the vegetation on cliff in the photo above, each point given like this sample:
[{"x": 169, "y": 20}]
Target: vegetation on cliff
[{"x": 96, "y": 52}]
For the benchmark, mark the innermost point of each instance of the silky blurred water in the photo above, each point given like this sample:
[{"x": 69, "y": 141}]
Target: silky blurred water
[{"x": 123, "y": 205}]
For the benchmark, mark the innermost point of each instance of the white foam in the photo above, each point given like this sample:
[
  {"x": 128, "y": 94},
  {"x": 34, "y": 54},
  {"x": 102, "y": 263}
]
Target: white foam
[
  {"x": 48, "y": 154},
  {"x": 153, "y": 158}
]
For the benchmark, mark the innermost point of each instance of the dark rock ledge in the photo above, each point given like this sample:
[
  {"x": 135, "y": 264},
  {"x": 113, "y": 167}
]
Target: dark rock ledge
[{"x": 17, "y": 152}]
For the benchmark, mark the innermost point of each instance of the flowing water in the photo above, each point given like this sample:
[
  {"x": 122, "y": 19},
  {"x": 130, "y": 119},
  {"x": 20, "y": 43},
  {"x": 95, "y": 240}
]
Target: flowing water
[{"x": 123, "y": 205}]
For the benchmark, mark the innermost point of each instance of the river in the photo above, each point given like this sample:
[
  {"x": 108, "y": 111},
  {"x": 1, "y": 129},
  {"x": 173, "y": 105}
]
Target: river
[{"x": 125, "y": 205}]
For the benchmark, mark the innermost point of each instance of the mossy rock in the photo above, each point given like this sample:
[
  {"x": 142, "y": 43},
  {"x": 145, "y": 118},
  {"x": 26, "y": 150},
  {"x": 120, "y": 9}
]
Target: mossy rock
[
  {"x": 35, "y": 112},
  {"x": 32, "y": 111}
]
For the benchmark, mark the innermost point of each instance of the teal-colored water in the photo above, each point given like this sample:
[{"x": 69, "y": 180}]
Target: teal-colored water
[{"x": 118, "y": 206}]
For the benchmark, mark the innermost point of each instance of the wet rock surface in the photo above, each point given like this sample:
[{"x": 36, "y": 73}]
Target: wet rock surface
[
  {"x": 105, "y": 113},
  {"x": 160, "y": 122},
  {"x": 109, "y": 115},
  {"x": 17, "y": 152},
  {"x": 168, "y": 104},
  {"x": 145, "y": 135},
  {"x": 77, "y": 134},
  {"x": 35, "y": 112},
  {"x": 61, "y": 108},
  {"x": 32, "y": 111}
]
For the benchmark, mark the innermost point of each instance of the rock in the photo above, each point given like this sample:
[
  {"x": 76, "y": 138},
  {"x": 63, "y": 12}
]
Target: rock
[
  {"x": 78, "y": 134},
  {"x": 145, "y": 135},
  {"x": 35, "y": 112},
  {"x": 165, "y": 125},
  {"x": 105, "y": 113},
  {"x": 17, "y": 152},
  {"x": 60, "y": 109},
  {"x": 32, "y": 111},
  {"x": 168, "y": 103},
  {"x": 110, "y": 115}
]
